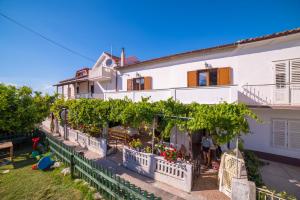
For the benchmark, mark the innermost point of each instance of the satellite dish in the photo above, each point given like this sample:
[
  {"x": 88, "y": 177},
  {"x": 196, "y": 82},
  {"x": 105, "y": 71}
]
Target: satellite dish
[{"x": 108, "y": 62}]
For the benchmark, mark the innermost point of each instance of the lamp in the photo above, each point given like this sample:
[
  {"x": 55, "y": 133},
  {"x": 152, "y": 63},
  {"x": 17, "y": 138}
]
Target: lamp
[{"x": 207, "y": 65}]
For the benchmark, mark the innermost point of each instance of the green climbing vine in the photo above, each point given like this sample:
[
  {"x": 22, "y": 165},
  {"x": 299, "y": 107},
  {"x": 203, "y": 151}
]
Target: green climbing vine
[{"x": 224, "y": 121}]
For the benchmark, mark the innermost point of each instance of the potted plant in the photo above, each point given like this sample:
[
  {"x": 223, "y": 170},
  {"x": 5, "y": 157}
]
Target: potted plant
[{"x": 136, "y": 144}]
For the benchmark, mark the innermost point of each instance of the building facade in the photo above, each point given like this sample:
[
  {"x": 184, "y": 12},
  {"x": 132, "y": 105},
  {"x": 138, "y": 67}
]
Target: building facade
[{"x": 262, "y": 72}]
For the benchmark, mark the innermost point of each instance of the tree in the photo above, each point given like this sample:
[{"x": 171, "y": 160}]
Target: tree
[{"x": 21, "y": 109}]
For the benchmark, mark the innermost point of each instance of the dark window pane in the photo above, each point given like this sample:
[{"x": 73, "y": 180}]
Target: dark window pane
[
  {"x": 202, "y": 81},
  {"x": 77, "y": 90},
  {"x": 135, "y": 84},
  {"x": 142, "y": 84},
  {"x": 92, "y": 89},
  {"x": 213, "y": 77},
  {"x": 138, "y": 84}
]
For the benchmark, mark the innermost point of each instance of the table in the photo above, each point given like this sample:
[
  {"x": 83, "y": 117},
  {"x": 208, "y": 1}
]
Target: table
[{"x": 8, "y": 145}]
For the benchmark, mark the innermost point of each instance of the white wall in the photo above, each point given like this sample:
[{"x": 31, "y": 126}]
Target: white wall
[
  {"x": 251, "y": 63},
  {"x": 260, "y": 138},
  {"x": 65, "y": 90},
  {"x": 107, "y": 85}
]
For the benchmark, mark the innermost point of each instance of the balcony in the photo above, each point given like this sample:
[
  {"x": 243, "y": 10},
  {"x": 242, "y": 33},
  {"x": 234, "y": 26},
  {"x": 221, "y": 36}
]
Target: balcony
[
  {"x": 270, "y": 94},
  {"x": 204, "y": 95},
  {"x": 101, "y": 74},
  {"x": 254, "y": 95}
]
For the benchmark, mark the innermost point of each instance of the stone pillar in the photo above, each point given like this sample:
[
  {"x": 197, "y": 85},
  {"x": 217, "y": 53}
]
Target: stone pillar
[{"x": 241, "y": 188}]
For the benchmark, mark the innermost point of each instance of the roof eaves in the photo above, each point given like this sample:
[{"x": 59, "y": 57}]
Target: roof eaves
[
  {"x": 235, "y": 44},
  {"x": 174, "y": 56}
]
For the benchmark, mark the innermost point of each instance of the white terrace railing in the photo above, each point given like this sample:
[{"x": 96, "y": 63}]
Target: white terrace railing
[
  {"x": 208, "y": 95},
  {"x": 178, "y": 175},
  {"x": 265, "y": 194},
  {"x": 83, "y": 95},
  {"x": 89, "y": 95},
  {"x": 97, "y": 145},
  {"x": 270, "y": 94}
]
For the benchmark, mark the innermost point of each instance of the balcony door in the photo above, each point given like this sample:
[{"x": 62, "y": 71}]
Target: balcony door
[{"x": 287, "y": 82}]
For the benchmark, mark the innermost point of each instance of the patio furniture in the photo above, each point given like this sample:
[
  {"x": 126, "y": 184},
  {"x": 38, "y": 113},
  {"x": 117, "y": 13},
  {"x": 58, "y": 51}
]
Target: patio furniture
[
  {"x": 119, "y": 133},
  {"x": 7, "y": 145}
]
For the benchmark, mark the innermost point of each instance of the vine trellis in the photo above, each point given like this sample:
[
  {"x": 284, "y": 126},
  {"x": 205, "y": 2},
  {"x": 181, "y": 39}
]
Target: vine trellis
[{"x": 224, "y": 121}]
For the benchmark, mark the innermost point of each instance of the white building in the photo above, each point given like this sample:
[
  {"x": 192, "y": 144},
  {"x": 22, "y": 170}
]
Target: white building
[{"x": 263, "y": 72}]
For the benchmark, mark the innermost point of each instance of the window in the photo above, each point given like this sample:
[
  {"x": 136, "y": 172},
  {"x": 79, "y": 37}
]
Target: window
[
  {"x": 213, "y": 77},
  {"x": 208, "y": 77},
  {"x": 286, "y": 133},
  {"x": 138, "y": 83},
  {"x": 92, "y": 89},
  {"x": 202, "y": 78},
  {"x": 77, "y": 89},
  {"x": 281, "y": 71},
  {"x": 108, "y": 62}
]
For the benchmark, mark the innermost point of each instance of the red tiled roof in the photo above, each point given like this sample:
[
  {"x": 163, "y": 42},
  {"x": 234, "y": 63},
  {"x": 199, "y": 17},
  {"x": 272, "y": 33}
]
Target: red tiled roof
[
  {"x": 116, "y": 58},
  {"x": 230, "y": 45},
  {"x": 131, "y": 60}
]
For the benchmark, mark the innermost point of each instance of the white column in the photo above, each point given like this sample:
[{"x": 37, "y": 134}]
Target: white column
[{"x": 63, "y": 91}]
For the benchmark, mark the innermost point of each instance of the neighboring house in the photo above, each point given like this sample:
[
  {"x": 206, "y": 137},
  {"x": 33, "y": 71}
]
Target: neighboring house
[{"x": 262, "y": 72}]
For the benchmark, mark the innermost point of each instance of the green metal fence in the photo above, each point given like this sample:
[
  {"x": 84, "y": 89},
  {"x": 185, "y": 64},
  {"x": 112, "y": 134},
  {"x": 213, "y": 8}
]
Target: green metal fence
[
  {"x": 107, "y": 183},
  {"x": 17, "y": 137}
]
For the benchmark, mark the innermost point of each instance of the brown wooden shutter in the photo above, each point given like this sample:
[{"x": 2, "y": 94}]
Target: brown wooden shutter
[
  {"x": 192, "y": 77},
  {"x": 148, "y": 83},
  {"x": 129, "y": 84},
  {"x": 224, "y": 76}
]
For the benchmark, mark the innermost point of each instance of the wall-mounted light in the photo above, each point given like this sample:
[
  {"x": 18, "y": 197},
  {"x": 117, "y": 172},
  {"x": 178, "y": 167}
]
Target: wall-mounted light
[
  {"x": 137, "y": 75},
  {"x": 207, "y": 65}
]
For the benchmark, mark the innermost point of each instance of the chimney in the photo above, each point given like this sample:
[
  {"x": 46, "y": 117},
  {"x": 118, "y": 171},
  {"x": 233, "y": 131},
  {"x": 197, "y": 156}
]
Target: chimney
[{"x": 123, "y": 57}]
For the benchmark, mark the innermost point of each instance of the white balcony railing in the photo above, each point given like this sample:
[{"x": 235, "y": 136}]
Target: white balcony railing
[
  {"x": 208, "y": 95},
  {"x": 265, "y": 94},
  {"x": 270, "y": 94},
  {"x": 101, "y": 74}
]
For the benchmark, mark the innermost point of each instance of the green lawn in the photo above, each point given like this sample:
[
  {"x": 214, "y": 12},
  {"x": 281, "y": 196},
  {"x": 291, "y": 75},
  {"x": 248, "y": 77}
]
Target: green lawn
[{"x": 24, "y": 183}]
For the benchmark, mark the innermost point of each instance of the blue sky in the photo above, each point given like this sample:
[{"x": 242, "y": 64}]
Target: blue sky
[{"x": 146, "y": 29}]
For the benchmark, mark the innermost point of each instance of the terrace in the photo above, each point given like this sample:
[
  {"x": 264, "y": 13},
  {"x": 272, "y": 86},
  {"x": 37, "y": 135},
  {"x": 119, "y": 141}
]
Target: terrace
[{"x": 150, "y": 172}]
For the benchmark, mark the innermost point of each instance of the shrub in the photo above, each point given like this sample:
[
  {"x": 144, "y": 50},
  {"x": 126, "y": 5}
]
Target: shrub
[{"x": 253, "y": 165}]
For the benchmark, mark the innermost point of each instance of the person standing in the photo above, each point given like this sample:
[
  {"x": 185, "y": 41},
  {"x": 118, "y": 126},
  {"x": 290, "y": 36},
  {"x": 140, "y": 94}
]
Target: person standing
[{"x": 206, "y": 146}]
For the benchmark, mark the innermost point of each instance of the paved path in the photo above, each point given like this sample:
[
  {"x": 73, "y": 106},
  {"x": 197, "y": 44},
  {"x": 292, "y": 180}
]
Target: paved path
[
  {"x": 206, "y": 186},
  {"x": 282, "y": 177}
]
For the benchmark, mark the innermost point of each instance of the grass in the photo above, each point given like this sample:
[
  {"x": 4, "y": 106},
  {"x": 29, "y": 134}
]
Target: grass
[{"x": 24, "y": 183}]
